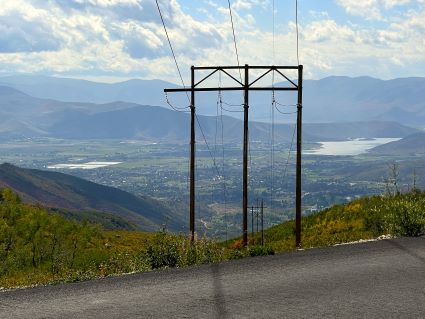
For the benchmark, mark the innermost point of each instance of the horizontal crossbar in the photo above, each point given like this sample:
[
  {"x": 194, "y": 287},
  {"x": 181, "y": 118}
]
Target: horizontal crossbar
[
  {"x": 239, "y": 88},
  {"x": 275, "y": 67}
]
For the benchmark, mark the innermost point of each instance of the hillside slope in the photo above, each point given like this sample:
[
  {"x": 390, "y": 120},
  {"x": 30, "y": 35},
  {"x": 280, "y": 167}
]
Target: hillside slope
[
  {"x": 410, "y": 145},
  {"x": 66, "y": 192},
  {"x": 332, "y": 99},
  {"x": 23, "y": 116}
]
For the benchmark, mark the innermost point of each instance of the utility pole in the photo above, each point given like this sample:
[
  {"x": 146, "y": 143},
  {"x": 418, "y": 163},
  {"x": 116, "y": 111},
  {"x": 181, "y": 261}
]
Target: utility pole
[
  {"x": 252, "y": 223},
  {"x": 246, "y": 87},
  {"x": 245, "y": 157},
  {"x": 192, "y": 155},
  {"x": 256, "y": 214},
  {"x": 262, "y": 222},
  {"x": 299, "y": 151}
]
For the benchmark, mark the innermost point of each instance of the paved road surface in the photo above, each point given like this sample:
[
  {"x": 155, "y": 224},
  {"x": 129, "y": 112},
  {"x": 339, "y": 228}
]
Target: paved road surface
[{"x": 384, "y": 279}]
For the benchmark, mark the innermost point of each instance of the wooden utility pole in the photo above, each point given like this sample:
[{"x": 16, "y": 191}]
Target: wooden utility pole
[
  {"x": 192, "y": 155},
  {"x": 246, "y": 86},
  {"x": 299, "y": 151},
  {"x": 262, "y": 222},
  {"x": 245, "y": 157}
]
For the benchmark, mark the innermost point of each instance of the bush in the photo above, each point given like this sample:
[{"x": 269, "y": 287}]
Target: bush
[
  {"x": 401, "y": 215},
  {"x": 163, "y": 251},
  {"x": 260, "y": 250}
]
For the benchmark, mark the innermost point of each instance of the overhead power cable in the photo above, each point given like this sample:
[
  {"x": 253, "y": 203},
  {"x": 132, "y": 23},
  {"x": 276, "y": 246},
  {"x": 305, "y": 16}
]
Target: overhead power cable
[
  {"x": 208, "y": 146},
  {"x": 284, "y": 113},
  {"x": 296, "y": 24},
  {"x": 273, "y": 34},
  {"x": 234, "y": 39},
  {"x": 171, "y": 48},
  {"x": 289, "y": 151},
  {"x": 175, "y": 108}
]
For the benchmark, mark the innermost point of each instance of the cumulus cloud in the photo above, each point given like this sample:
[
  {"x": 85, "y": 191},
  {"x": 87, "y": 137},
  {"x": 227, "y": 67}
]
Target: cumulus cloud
[
  {"x": 370, "y": 9},
  {"x": 126, "y": 37},
  {"x": 20, "y": 35}
]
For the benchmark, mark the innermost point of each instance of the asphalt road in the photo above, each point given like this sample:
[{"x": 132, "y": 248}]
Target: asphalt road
[{"x": 384, "y": 279}]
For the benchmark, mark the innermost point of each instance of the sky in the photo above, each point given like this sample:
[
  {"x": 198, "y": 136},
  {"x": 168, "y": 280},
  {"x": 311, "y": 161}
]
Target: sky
[{"x": 112, "y": 40}]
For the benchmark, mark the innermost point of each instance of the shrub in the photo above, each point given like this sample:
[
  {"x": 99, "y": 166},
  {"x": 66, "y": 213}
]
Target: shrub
[
  {"x": 163, "y": 251},
  {"x": 260, "y": 250},
  {"x": 402, "y": 215}
]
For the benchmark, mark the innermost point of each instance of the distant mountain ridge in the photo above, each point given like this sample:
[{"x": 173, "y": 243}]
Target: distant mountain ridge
[
  {"x": 332, "y": 99},
  {"x": 23, "y": 116},
  {"x": 410, "y": 145},
  {"x": 72, "y": 194}
]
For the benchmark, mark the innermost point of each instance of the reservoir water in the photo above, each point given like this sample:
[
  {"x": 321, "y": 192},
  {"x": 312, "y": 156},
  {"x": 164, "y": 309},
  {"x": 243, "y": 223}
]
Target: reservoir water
[
  {"x": 351, "y": 147},
  {"x": 89, "y": 165}
]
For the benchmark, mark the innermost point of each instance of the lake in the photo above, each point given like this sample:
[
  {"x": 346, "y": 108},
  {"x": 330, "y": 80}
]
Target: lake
[
  {"x": 88, "y": 165},
  {"x": 351, "y": 147}
]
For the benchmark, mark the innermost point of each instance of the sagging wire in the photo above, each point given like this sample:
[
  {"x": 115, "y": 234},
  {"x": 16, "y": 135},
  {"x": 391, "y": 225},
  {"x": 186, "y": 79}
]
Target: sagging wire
[
  {"x": 223, "y": 175},
  {"x": 206, "y": 143},
  {"x": 231, "y": 105},
  {"x": 272, "y": 148},
  {"x": 296, "y": 23},
  {"x": 289, "y": 151},
  {"x": 176, "y": 108},
  {"x": 234, "y": 39},
  {"x": 171, "y": 48},
  {"x": 277, "y": 104}
]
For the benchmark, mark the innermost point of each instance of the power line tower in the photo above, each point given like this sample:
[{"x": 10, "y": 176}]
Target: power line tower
[{"x": 246, "y": 86}]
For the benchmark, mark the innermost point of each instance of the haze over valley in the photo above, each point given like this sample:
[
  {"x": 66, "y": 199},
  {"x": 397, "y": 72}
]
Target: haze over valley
[{"x": 123, "y": 135}]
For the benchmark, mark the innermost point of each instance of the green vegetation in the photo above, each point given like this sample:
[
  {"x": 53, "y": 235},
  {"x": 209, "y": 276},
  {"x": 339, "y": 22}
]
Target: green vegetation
[
  {"x": 75, "y": 197},
  {"x": 37, "y": 247},
  {"x": 364, "y": 218}
]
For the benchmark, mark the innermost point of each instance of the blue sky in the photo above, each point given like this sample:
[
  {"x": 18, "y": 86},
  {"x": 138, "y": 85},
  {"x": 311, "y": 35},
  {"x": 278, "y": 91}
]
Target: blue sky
[{"x": 111, "y": 40}]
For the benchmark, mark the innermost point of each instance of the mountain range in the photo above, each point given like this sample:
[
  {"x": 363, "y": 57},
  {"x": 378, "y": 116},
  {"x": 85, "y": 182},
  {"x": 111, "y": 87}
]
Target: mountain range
[
  {"x": 24, "y": 116},
  {"x": 410, "y": 145},
  {"x": 80, "y": 199},
  {"x": 332, "y": 99}
]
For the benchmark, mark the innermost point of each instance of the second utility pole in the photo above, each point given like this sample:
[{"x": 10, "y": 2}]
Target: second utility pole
[
  {"x": 192, "y": 156},
  {"x": 245, "y": 157}
]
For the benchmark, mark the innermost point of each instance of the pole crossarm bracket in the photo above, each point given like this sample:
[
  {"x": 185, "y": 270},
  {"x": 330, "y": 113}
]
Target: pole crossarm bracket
[{"x": 242, "y": 86}]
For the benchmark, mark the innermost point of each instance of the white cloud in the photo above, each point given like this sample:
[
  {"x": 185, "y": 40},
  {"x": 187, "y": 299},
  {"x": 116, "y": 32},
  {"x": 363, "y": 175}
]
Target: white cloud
[
  {"x": 108, "y": 3},
  {"x": 323, "y": 30},
  {"x": 249, "y": 4},
  {"x": 388, "y": 4},
  {"x": 370, "y": 9},
  {"x": 126, "y": 37}
]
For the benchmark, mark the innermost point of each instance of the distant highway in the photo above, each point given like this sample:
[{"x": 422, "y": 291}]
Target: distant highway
[{"x": 384, "y": 279}]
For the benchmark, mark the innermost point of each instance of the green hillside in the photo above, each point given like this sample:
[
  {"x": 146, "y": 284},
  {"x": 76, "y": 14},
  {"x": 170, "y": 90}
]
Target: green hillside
[
  {"x": 37, "y": 247},
  {"x": 364, "y": 218},
  {"x": 77, "y": 197}
]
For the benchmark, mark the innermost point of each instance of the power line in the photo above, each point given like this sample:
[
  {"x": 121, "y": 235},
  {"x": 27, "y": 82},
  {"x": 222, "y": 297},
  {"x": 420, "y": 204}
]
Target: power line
[
  {"x": 289, "y": 151},
  {"x": 171, "y": 48},
  {"x": 223, "y": 168},
  {"x": 175, "y": 108},
  {"x": 273, "y": 34},
  {"x": 272, "y": 133},
  {"x": 296, "y": 23},
  {"x": 208, "y": 146},
  {"x": 234, "y": 38},
  {"x": 285, "y": 105},
  {"x": 284, "y": 113}
]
